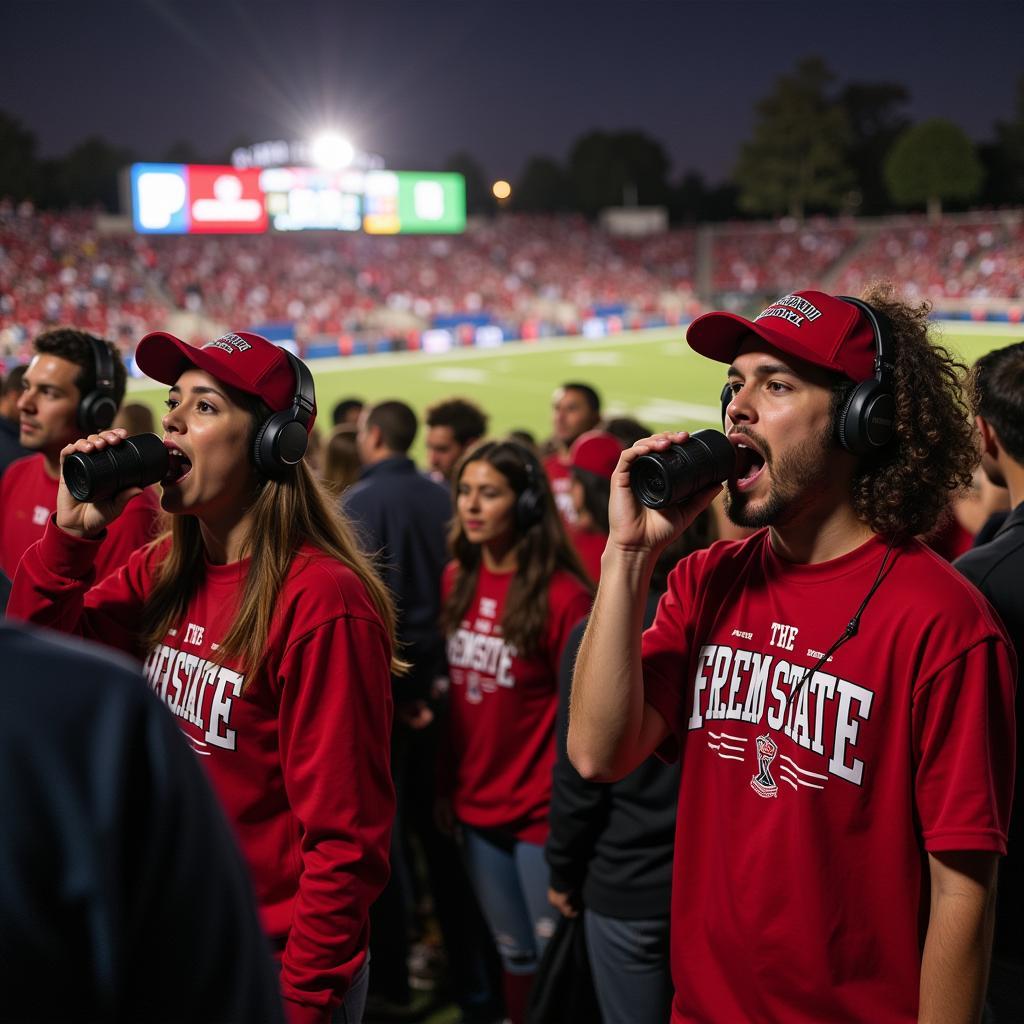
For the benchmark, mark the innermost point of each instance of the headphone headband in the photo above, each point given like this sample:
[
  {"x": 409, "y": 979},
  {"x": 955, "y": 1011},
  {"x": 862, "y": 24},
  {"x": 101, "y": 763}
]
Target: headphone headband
[
  {"x": 881, "y": 328},
  {"x": 98, "y": 407},
  {"x": 304, "y": 402}
]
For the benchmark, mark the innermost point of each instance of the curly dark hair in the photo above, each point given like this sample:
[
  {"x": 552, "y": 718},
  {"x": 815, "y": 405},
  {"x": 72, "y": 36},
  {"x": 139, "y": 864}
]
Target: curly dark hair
[
  {"x": 905, "y": 489},
  {"x": 466, "y": 419}
]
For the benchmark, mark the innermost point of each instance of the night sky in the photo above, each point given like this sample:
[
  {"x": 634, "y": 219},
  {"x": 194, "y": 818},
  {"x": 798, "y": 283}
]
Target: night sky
[{"x": 417, "y": 81}]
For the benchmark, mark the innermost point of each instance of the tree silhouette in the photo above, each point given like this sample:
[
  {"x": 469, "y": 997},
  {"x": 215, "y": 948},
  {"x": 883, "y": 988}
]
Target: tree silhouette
[
  {"x": 932, "y": 162},
  {"x": 17, "y": 158},
  {"x": 618, "y": 169},
  {"x": 543, "y": 187},
  {"x": 797, "y": 156}
]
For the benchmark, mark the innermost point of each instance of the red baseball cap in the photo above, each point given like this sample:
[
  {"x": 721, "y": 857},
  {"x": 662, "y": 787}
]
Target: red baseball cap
[
  {"x": 241, "y": 360},
  {"x": 813, "y": 326},
  {"x": 596, "y": 452}
]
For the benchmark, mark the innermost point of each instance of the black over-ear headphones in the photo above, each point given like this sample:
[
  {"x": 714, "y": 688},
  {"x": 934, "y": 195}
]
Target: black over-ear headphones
[
  {"x": 867, "y": 420},
  {"x": 97, "y": 409},
  {"x": 530, "y": 502},
  {"x": 281, "y": 441}
]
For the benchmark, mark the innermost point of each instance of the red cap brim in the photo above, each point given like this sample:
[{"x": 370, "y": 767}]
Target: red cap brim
[
  {"x": 719, "y": 336},
  {"x": 165, "y": 358}
]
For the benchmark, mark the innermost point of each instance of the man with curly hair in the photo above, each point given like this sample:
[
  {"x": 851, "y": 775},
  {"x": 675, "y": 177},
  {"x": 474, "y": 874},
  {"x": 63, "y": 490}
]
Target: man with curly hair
[{"x": 841, "y": 700}]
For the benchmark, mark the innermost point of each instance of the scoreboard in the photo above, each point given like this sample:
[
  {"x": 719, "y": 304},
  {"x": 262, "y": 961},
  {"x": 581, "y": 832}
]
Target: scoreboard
[{"x": 205, "y": 199}]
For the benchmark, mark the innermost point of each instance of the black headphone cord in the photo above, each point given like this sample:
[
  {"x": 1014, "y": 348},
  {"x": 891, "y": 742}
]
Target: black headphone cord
[{"x": 851, "y": 627}]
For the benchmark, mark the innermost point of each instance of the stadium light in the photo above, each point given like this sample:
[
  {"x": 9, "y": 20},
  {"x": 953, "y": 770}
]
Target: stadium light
[
  {"x": 501, "y": 190},
  {"x": 331, "y": 151}
]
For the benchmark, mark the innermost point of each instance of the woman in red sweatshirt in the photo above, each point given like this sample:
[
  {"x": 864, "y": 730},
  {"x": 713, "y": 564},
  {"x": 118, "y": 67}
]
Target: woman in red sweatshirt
[
  {"x": 268, "y": 636},
  {"x": 511, "y": 597}
]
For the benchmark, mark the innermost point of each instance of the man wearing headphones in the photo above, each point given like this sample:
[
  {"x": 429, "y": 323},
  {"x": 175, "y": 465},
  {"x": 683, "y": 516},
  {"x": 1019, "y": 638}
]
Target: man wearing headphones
[
  {"x": 840, "y": 701},
  {"x": 72, "y": 387}
]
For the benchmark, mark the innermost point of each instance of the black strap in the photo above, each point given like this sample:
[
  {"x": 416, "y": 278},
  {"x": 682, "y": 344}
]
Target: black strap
[{"x": 851, "y": 627}]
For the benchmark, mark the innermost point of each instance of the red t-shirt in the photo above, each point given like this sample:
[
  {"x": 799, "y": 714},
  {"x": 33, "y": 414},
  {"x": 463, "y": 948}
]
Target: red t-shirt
[
  {"x": 951, "y": 539},
  {"x": 560, "y": 478},
  {"x": 300, "y": 761},
  {"x": 501, "y": 734},
  {"x": 589, "y": 545},
  {"x": 800, "y": 886},
  {"x": 28, "y": 497}
]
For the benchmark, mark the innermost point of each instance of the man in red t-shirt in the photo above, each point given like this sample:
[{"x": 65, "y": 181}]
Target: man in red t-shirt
[
  {"x": 60, "y": 400},
  {"x": 840, "y": 702},
  {"x": 575, "y": 409}
]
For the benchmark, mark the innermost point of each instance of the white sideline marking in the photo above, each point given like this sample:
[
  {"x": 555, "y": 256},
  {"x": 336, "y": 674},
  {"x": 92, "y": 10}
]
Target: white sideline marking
[
  {"x": 459, "y": 375},
  {"x": 511, "y": 349}
]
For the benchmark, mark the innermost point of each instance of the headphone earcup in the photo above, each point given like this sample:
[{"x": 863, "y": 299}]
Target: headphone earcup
[
  {"x": 725, "y": 400},
  {"x": 866, "y": 422},
  {"x": 96, "y": 412},
  {"x": 280, "y": 444},
  {"x": 529, "y": 508}
]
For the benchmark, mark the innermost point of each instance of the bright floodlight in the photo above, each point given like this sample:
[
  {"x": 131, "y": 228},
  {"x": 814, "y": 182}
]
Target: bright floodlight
[
  {"x": 501, "y": 190},
  {"x": 332, "y": 151}
]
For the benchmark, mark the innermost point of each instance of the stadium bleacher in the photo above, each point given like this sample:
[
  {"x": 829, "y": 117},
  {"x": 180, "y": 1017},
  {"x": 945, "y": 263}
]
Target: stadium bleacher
[{"x": 531, "y": 275}]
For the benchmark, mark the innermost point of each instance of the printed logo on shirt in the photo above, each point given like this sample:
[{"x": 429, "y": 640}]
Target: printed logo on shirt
[
  {"x": 40, "y": 515},
  {"x": 488, "y": 660},
  {"x": 561, "y": 491},
  {"x": 182, "y": 680},
  {"x": 755, "y": 687}
]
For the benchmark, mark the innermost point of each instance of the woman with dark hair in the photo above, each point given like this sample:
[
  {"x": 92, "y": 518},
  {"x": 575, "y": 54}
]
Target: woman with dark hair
[
  {"x": 269, "y": 637},
  {"x": 512, "y": 595}
]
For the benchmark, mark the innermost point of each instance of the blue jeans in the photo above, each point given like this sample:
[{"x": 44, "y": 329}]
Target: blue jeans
[
  {"x": 629, "y": 961},
  {"x": 350, "y": 1009},
  {"x": 511, "y": 882}
]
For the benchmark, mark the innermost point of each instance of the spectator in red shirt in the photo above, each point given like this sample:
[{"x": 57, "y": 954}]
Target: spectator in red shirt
[
  {"x": 269, "y": 637},
  {"x": 575, "y": 409},
  {"x": 840, "y": 700},
  {"x": 63, "y": 398},
  {"x": 511, "y": 597},
  {"x": 593, "y": 458}
]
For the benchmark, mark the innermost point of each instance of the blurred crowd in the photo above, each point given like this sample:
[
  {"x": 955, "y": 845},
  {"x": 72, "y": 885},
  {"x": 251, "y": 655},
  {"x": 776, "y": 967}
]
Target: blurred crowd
[{"x": 516, "y": 270}]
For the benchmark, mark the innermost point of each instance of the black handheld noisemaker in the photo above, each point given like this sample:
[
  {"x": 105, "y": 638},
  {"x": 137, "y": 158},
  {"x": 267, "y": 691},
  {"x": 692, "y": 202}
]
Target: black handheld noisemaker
[
  {"x": 665, "y": 478},
  {"x": 98, "y": 475}
]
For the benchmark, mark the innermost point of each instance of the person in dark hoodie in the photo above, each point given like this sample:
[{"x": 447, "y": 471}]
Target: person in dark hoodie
[
  {"x": 610, "y": 848},
  {"x": 121, "y": 886}
]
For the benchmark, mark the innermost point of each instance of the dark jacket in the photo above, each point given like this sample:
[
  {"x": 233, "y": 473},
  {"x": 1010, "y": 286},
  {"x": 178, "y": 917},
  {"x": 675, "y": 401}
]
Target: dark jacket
[
  {"x": 997, "y": 570},
  {"x": 10, "y": 446},
  {"x": 402, "y": 517},
  {"x": 613, "y": 843},
  {"x": 122, "y": 893}
]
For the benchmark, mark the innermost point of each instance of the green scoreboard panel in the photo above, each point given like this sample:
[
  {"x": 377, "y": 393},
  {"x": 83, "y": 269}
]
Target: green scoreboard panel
[{"x": 414, "y": 202}]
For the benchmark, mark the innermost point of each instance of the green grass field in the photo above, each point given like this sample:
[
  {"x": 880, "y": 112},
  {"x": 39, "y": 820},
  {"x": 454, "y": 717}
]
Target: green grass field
[{"x": 652, "y": 375}]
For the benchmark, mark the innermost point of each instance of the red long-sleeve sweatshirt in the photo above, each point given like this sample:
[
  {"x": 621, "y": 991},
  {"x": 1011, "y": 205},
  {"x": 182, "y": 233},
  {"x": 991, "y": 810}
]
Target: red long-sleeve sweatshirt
[{"x": 298, "y": 752}]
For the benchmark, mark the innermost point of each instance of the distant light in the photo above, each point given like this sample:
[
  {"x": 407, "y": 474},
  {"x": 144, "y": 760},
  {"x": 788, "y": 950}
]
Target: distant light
[
  {"x": 502, "y": 190},
  {"x": 332, "y": 151}
]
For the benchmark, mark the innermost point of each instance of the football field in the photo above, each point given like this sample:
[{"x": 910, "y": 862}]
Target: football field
[{"x": 651, "y": 375}]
